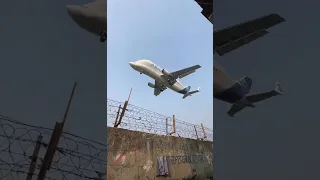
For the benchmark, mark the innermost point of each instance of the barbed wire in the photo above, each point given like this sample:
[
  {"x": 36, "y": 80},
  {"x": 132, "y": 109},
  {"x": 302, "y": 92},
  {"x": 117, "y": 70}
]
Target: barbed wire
[
  {"x": 75, "y": 157},
  {"x": 140, "y": 119}
]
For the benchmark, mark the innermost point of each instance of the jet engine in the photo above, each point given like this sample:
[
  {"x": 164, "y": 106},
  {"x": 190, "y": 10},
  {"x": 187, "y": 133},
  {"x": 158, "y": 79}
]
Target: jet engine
[{"x": 151, "y": 85}]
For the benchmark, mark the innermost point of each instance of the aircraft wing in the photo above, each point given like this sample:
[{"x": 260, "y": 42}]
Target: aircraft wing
[
  {"x": 233, "y": 37},
  {"x": 234, "y": 109},
  {"x": 207, "y": 8},
  {"x": 185, "y": 72},
  {"x": 157, "y": 88}
]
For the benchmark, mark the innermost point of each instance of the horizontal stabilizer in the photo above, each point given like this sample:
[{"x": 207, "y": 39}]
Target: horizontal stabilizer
[
  {"x": 249, "y": 100},
  {"x": 278, "y": 88},
  {"x": 234, "y": 108},
  {"x": 190, "y": 93}
]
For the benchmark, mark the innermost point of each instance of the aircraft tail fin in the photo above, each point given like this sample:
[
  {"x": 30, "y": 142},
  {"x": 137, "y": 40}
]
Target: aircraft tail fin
[
  {"x": 191, "y": 92},
  {"x": 278, "y": 89},
  {"x": 235, "y": 108},
  {"x": 244, "y": 85}
]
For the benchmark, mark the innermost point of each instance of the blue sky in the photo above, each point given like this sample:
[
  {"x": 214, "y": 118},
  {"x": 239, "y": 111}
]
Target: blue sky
[{"x": 172, "y": 34}]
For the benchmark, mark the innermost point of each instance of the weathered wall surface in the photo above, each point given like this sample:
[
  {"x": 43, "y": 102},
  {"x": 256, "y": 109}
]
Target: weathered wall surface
[{"x": 132, "y": 156}]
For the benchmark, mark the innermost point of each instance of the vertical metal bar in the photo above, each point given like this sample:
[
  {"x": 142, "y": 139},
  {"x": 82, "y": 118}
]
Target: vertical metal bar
[
  {"x": 69, "y": 103},
  {"x": 51, "y": 150},
  {"x": 123, "y": 111},
  {"x": 54, "y": 141},
  {"x": 130, "y": 94},
  {"x": 116, "y": 120},
  {"x": 196, "y": 131},
  {"x": 34, "y": 158},
  {"x": 204, "y": 132},
  {"x": 174, "y": 124},
  {"x": 166, "y": 126}
]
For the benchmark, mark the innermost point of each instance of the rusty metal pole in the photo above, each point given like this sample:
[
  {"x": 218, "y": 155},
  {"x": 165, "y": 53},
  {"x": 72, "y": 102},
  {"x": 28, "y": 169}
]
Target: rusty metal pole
[
  {"x": 51, "y": 150},
  {"x": 122, "y": 112},
  {"x": 129, "y": 94},
  {"x": 54, "y": 141},
  {"x": 34, "y": 158},
  {"x": 195, "y": 129},
  {"x": 124, "y": 108},
  {"x": 174, "y": 123},
  {"x": 69, "y": 103},
  {"x": 204, "y": 132},
  {"x": 116, "y": 120},
  {"x": 166, "y": 126}
]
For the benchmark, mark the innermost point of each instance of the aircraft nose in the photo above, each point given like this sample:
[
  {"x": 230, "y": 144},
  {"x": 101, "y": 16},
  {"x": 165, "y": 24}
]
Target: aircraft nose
[
  {"x": 132, "y": 64},
  {"x": 75, "y": 12},
  {"x": 72, "y": 9}
]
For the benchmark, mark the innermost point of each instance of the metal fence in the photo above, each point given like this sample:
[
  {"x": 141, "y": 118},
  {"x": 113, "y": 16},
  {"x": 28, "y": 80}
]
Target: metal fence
[
  {"x": 139, "y": 119},
  {"x": 75, "y": 157}
]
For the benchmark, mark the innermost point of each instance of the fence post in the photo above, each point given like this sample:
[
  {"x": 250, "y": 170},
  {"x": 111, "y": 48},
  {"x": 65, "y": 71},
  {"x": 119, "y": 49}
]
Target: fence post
[
  {"x": 51, "y": 150},
  {"x": 173, "y": 124},
  {"x": 166, "y": 126},
  {"x": 196, "y": 131},
  {"x": 54, "y": 140},
  {"x": 204, "y": 132},
  {"x": 124, "y": 109},
  {"x": 116, "y": 120},
  {"x": 34, "y": 158}
]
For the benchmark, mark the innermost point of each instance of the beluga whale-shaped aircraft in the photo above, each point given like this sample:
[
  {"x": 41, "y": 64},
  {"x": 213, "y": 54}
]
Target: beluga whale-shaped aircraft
[
  {"x": 236, "y": 93},
  {"x": 226, "y": 40},
  {"x": 164, "y": 79},
  {"x": 91, "y": 17}
]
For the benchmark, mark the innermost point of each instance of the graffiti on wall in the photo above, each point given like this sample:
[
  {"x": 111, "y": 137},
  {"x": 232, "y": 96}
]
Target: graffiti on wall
[
  {"x": 188, "y": 159},
  {"x": 120, "y": 158}
]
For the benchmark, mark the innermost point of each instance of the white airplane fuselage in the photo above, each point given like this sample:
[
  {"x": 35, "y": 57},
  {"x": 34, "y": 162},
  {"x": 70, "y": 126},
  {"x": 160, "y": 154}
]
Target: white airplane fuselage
[
  {"x": 221, "y": 80},
  {"x": 91, "y": 17},
  {"x": 153, "y": 71},
  {"x": 228, "y": 90}
]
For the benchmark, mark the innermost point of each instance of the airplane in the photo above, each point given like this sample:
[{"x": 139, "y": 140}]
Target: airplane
[
  {"x": 207, "y": 9},
  {"x": 228, "y": 39},
  {"x": 236, "y": 93},
  {"x": 163, "y": 78},
  {"x": 91, "y": 17}
]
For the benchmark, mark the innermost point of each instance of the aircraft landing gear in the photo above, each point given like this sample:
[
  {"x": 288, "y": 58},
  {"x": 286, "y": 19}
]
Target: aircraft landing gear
[
  {"x": 162, "y": 88},
  {"x": 103, "y": 36}
]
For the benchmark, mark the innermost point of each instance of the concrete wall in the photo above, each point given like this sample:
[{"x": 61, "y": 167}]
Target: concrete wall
[{"x": 132, "y": 156}]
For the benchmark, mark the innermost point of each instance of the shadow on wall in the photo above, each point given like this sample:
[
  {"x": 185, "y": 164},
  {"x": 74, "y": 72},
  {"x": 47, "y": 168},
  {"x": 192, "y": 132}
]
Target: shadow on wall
[{"x": 133, "y": 155}]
